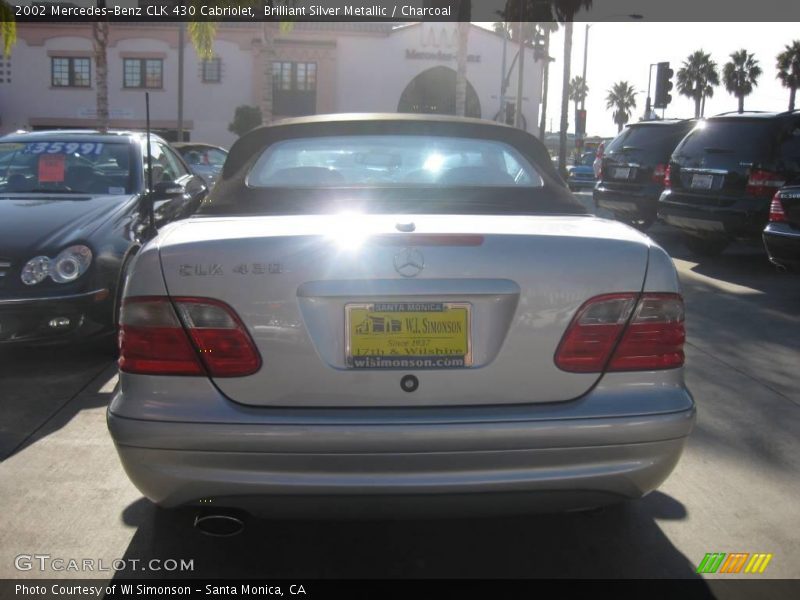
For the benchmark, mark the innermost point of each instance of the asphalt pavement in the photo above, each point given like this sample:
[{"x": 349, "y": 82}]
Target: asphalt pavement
[{"x": 736, "y": 489}]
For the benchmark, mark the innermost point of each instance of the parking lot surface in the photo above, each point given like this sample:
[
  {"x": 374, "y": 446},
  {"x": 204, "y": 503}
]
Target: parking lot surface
[{"x": 64, "y": 493}]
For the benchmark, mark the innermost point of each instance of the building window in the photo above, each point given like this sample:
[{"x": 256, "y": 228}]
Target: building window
[
  {"x": 5, "y": 71},
  {"x": 143, "y": 72},
  {"x": 70, "y": 72},
  {"x": 212, "y": 70},
  {"x": 294, "y": 88}
]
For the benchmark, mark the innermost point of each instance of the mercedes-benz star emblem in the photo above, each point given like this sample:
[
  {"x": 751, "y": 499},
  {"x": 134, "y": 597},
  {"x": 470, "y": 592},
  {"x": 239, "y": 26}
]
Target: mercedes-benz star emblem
[{"x": 409, "y": 262}]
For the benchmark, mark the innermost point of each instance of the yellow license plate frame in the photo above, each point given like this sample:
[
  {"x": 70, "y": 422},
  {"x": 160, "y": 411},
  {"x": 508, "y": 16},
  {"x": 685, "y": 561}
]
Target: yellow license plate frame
[{"x": 408, "y": 335}]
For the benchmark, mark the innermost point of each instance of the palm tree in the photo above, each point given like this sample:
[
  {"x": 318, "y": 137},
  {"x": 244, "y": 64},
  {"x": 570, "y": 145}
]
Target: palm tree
[
  {"x": 464, "y": 10},
  {"x": 740, "y": 75},
  {"x": 546, "y": 28},
  {"x": 621, "y": 98},
  {"x": 100, "y": 45},
  {"x": 8, "y": 27},
  {"x": 697, "y": 78},
  {"x": 789, "y": 70},
  {"x": 578, "y": 90}
]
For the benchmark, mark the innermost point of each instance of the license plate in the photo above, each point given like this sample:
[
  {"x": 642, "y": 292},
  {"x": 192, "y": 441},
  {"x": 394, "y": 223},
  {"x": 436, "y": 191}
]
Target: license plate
[
  {"x": 408, "y": 335},
  {"x": 622, "y": 173},
  {"x": 702, "y": 182}
]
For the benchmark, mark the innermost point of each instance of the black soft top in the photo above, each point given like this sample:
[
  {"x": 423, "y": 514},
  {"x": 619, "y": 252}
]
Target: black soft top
[{"x": 232, "y": 195}]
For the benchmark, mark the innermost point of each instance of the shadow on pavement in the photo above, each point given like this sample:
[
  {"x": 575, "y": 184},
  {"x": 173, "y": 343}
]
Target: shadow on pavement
[
  {"x": 617, "y": 542},
  {"x": 38, "y": 385}
]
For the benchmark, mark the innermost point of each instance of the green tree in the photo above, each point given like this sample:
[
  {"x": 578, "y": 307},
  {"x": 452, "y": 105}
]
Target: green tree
[
  {"x": 8, "y": 27},
  {"x": 789, "y": 69},
  {"x": 463, "y": 27},
  {"x": 622, "y": 99},
  {"x": 696, "y": 79},
  {"x": 245, "y": 118},
  {"x": 740, "y": 75},
  {"x": 100, "y": 29}
]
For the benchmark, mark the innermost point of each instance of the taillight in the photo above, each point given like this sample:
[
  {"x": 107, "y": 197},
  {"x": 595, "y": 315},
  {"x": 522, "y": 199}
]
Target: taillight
[
  {"x": 616, "y": 333},
  {"x": 660, "y": 174},
  {"x": 776, "y": 214},
  {"x": 763, "y": 183},
  {"x": 667, "y": 177},
  {"x": 207, "y": 338}
]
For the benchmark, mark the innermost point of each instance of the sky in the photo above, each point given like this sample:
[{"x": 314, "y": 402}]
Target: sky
[{"x": 624, "y": 50}]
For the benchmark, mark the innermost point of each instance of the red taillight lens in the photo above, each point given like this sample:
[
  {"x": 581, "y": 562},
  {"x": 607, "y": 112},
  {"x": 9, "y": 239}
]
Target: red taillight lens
[
  {"x": 208, "y": 338},
  {"x": 652, "y": 340},
  {"x": 667, "y": 181},
  {"x": 152, "y": 340},
  {"x": 763, "y": 184},
  {"x": 776, "y": 213},
  {"x": 660, "y": 174},
  {"x": 593, "y": 333}
]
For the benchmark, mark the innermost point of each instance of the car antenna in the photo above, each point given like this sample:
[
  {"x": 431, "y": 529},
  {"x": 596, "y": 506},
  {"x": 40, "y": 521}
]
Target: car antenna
[{"x": 151, "y": 219}]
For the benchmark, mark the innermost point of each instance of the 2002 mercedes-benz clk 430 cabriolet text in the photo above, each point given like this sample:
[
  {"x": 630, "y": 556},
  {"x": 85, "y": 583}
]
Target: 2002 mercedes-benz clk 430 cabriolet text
[{"x": 376, "y": 312}]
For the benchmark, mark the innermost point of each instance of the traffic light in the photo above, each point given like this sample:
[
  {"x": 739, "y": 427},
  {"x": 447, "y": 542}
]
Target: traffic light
[
  {"x": 580, "y": 123},
  {"x": 663, "y": 85}
]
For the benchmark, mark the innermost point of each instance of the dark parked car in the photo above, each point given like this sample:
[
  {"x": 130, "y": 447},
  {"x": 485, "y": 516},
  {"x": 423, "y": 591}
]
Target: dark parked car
[
  {"x": 723, "y": 175},
  {"x": 204, "y": 160},
  {"x": 73, "y": 211},
  {"x": 632, "y": 169},
  {"x": 581, "y": 174},
  {"x": 782, "y": 233}
]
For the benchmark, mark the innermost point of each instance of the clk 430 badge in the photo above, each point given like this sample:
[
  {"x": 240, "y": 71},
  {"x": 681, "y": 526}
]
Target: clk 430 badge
[
  {"x": 200, "y": 270},
  {"x": 215, "y": 270}
]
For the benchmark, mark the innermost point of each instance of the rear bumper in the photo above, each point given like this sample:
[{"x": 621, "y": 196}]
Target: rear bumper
[
  {"x": 27, "y": 320},
  {"x": 641, "y": 203},
  {"x": 782, "y": 242},
  {"x": 695, "y": 214},
  {"x": 431, "y": 465}
]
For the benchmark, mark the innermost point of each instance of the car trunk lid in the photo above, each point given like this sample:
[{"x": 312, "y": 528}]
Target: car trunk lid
[{"x": 303, "y": 286}]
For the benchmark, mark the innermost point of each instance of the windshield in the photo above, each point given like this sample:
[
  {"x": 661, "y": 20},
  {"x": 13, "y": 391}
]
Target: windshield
[
  {"x": 205, "y": 157},
  {"x": 393, "y": 161},
  {"x": 65, "y": 167}
]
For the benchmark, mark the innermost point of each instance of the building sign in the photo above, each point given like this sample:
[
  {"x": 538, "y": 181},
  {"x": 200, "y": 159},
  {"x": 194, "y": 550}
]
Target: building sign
[
  {"x": 412, "y": 54},
  {"x": 90, "y": 112},
  {"x": 438, "y": 42}
]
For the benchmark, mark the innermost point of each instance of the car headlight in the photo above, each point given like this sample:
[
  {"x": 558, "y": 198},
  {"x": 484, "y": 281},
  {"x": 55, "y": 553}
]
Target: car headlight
[
  {"x": 70, "y": 264},
  {"x": 35, "y": 270}
]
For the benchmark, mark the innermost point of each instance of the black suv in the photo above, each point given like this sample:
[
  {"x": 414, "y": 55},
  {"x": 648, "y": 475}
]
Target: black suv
[
  {"x": 723, "y": 175},
  {"x": 633, "y": 169}
]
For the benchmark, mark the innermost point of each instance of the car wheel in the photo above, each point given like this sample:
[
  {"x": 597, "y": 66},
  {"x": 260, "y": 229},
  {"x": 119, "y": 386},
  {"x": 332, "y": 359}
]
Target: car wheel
[{"x": 704, "y": 247}]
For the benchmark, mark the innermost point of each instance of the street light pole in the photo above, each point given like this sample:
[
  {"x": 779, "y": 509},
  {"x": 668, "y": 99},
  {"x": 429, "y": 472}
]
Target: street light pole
[
  {"x": 181, "y": 27},
  {"x": 583, "y": 97}
]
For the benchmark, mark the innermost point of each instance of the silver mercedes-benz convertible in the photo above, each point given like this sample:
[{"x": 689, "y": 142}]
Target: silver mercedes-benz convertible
[{"x": 373, "y": 313}]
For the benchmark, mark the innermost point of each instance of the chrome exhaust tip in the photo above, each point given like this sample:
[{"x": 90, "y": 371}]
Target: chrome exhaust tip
[{"x": 219, "y": 524}]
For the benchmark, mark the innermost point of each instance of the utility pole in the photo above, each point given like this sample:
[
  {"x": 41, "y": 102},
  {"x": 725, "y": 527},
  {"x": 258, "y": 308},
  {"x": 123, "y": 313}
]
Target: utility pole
[
  {"x": 583, "y": 97},
  {"x": 562, "y": 136},
  {"x": 503, "y": 76},
  {"x": 181, "y": 29},
  {"x": 518, "y": 107}
]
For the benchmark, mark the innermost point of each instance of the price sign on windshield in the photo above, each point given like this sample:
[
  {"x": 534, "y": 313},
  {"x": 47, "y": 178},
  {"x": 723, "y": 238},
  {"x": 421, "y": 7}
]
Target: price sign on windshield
[{"x": 83, "y": 148}]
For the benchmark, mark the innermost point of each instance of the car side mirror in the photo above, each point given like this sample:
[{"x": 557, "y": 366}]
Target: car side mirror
[{"x": 167, "y": 190}]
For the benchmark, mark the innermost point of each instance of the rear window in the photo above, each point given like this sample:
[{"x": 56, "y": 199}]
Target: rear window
[
  {"x": 649, "y": 144},
  {"x": 730, "y": 145},
  {"x": 392, "y": 161}
]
